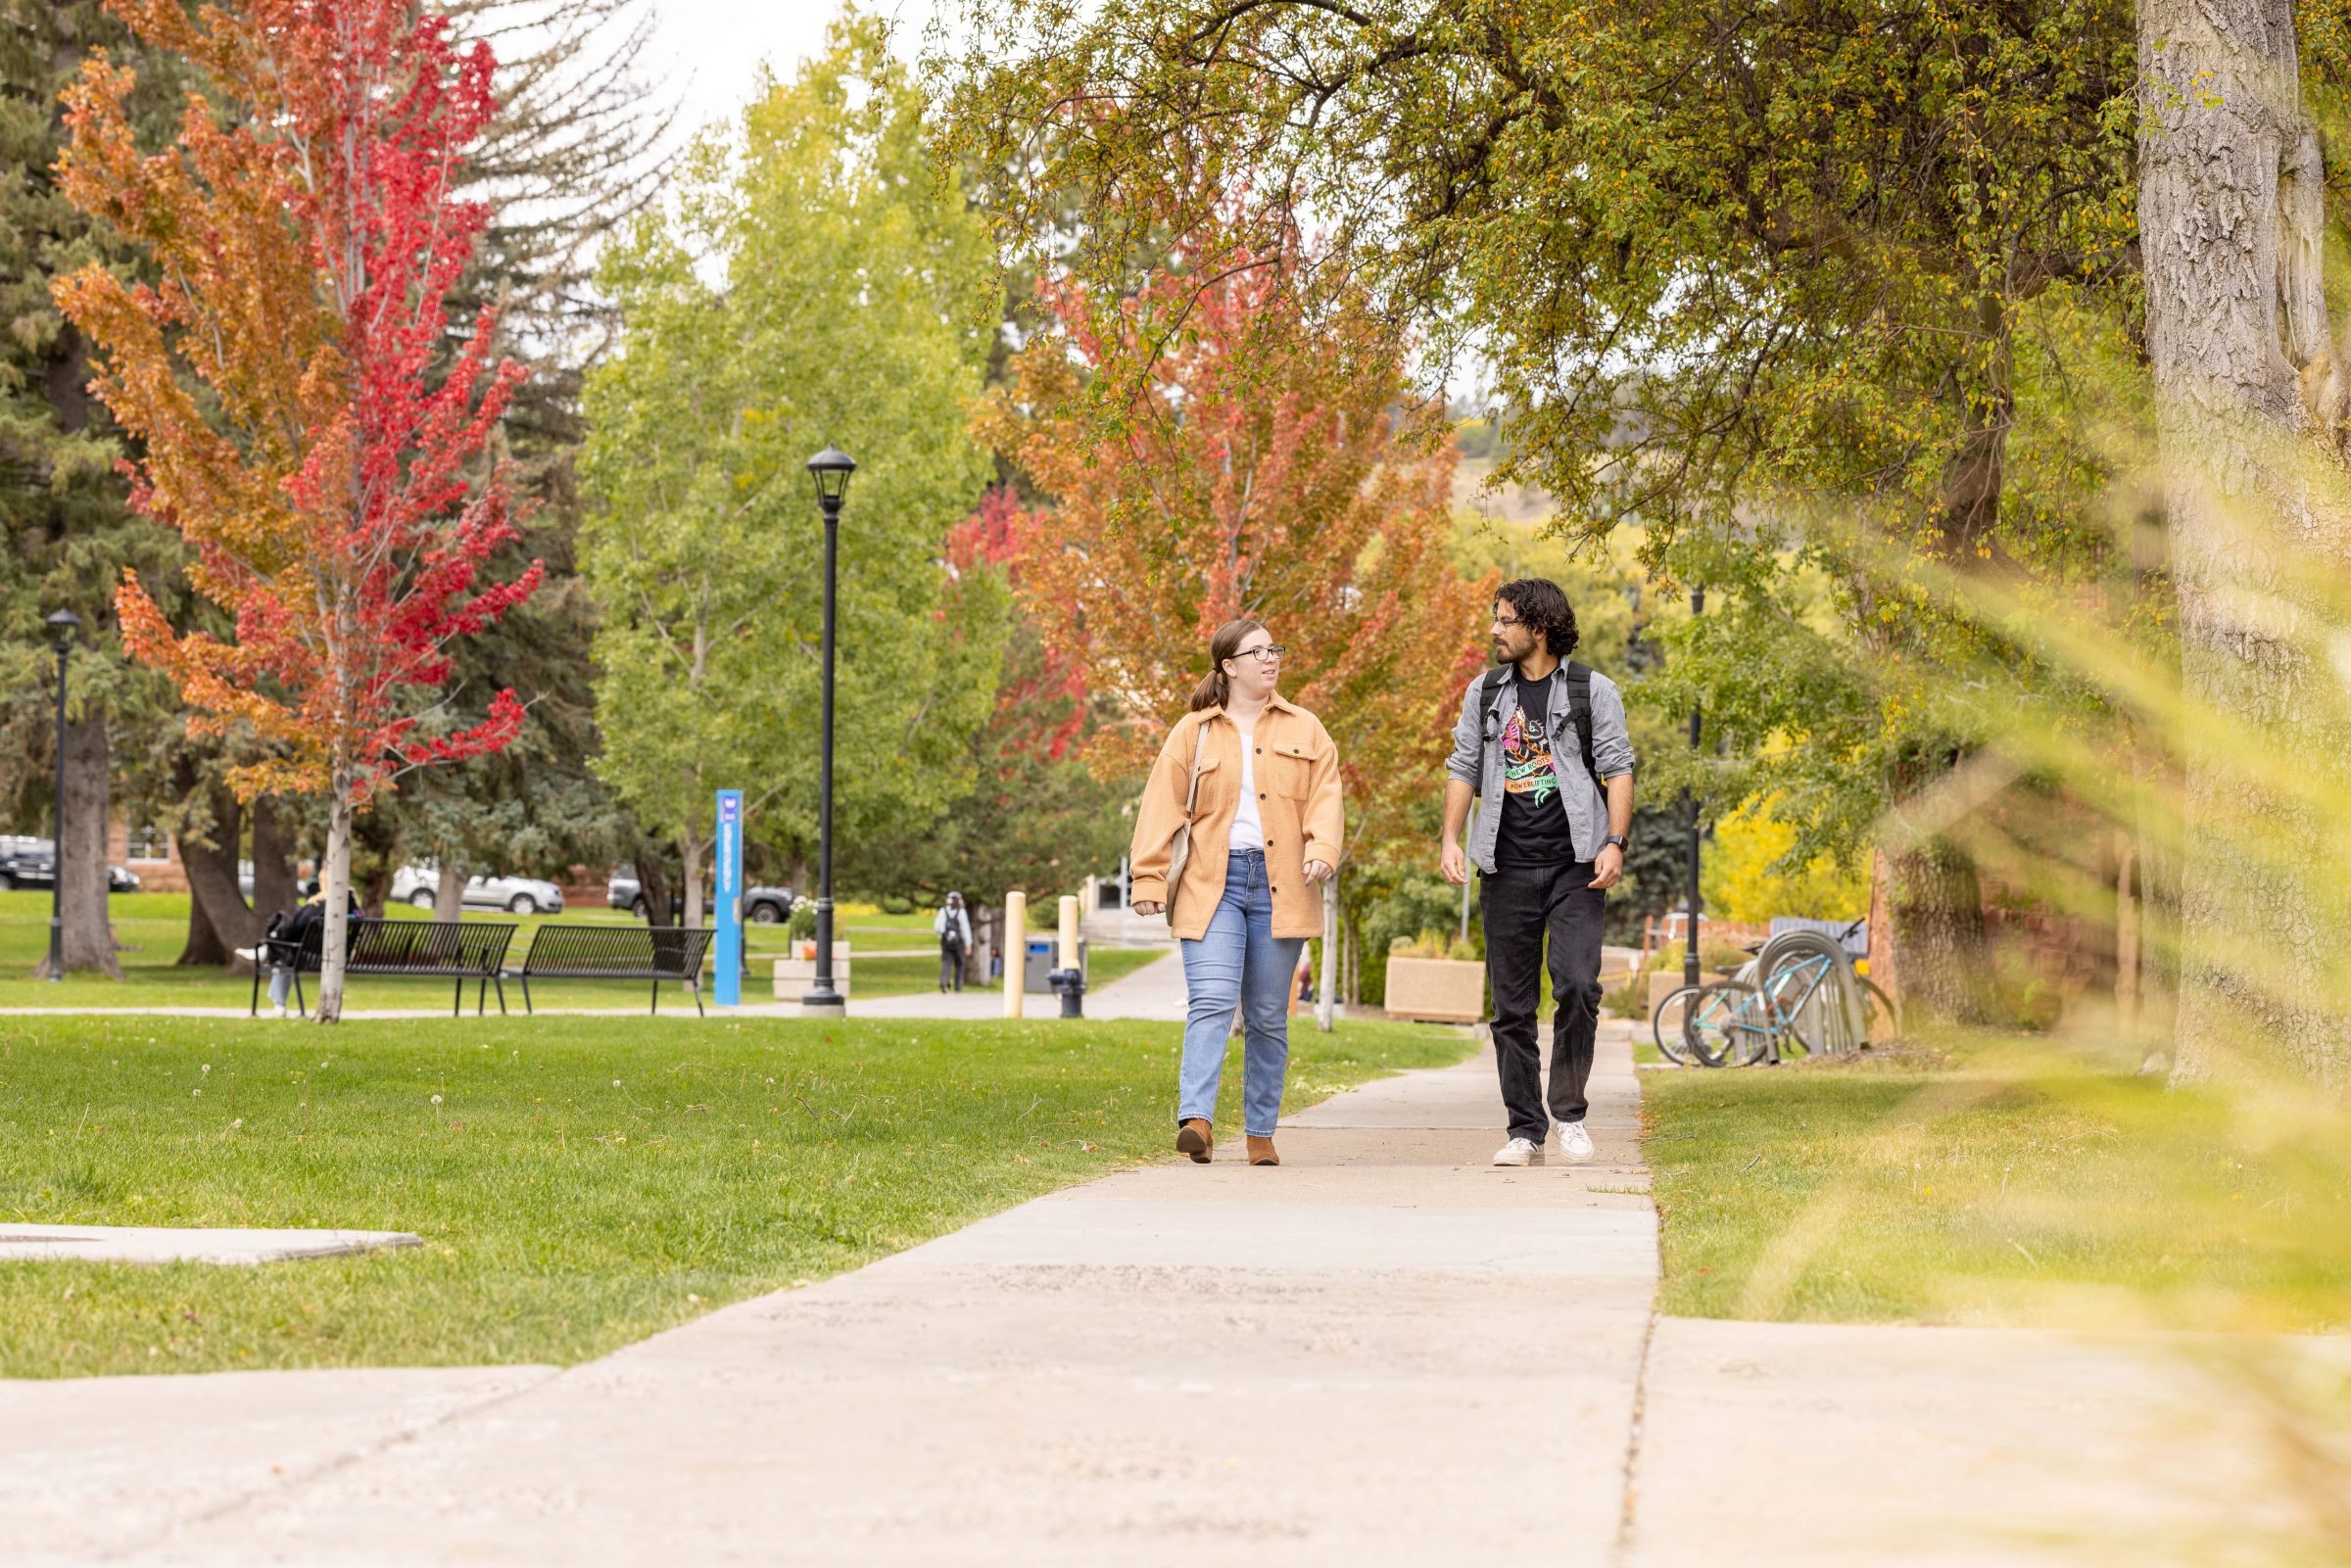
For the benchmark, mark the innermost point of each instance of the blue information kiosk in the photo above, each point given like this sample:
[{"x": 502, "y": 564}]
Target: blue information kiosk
[{"x": 727, "y": 989}]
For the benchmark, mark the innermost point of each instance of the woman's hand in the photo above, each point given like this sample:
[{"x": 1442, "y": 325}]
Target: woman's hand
[
  {"x": 1147, "y": 908},
  {"x": 1316, "y": 872}
]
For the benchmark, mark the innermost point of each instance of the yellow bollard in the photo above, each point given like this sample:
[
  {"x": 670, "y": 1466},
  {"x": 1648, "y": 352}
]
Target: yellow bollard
[
  {"x": 1016, "y": 950},
  {"x": 1069, "y": 932}
]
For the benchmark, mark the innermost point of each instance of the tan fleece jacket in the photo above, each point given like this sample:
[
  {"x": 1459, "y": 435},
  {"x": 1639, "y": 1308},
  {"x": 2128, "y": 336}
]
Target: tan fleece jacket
[{"x": 1297, "y": 776}]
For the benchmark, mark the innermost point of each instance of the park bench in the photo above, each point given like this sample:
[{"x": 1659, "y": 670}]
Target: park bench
[
  {"x": 414, "y": 949},
  {"x": 654, "y": 953}
]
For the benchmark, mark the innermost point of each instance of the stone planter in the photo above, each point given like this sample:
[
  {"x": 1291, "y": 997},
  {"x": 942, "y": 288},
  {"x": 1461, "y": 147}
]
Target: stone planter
[
  {"x": 795, "y": 973},
  {"x": 1439, "y": 990}
]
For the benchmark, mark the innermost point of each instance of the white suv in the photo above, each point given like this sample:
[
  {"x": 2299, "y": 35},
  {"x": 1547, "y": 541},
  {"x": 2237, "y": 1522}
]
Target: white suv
[{"x": 520, "y": 895}]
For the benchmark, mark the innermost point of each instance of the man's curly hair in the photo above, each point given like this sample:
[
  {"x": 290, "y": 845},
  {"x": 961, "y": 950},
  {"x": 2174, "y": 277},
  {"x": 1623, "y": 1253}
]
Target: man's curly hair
[{"x": 1543, "y": 606}]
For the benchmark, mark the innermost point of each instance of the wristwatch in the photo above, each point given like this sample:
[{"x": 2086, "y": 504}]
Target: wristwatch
[{"x": 1618, "y": 840}]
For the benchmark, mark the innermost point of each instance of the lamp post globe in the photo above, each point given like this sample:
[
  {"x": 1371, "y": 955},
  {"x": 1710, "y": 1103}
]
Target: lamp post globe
[
  {"x": 63, "y": 624},
  {"x": 831, "y": 470}
]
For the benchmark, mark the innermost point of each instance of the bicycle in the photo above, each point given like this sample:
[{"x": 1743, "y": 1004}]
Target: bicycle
[{"x": 1797, "y": 990}]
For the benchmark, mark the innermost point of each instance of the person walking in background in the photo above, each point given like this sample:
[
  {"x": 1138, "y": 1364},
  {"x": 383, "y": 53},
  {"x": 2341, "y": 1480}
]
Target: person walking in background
[
  {"x": 954, "y": 927},
  {"x": 1542, "y": 742},
  {"x": 1251, "y": 782}
]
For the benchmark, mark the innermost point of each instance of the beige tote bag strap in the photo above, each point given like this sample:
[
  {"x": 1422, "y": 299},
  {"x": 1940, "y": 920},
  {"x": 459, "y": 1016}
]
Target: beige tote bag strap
[
  {"x": 1181, "y": 849},
  {"x": 1191, "y": 797}
]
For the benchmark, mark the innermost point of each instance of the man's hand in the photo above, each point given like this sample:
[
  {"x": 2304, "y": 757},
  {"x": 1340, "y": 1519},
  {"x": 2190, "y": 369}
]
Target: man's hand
[
  {"x": 1454, "y": 864},
  {"x": 1608, "y": 867},
  {"x": 1316, "y": 870}
]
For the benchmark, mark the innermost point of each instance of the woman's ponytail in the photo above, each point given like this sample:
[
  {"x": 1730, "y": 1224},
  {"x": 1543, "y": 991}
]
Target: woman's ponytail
[{"x": 1217, "y": 690}]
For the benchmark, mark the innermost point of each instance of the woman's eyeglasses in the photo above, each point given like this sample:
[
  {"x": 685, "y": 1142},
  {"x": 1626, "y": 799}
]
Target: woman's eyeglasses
[{"x": 1264, "y": 655}]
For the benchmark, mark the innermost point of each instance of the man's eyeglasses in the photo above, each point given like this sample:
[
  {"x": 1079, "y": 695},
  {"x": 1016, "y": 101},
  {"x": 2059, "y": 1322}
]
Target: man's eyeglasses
[
  {"x": 1508, "y": 620},
  {"x": 1267, "y": 654}
]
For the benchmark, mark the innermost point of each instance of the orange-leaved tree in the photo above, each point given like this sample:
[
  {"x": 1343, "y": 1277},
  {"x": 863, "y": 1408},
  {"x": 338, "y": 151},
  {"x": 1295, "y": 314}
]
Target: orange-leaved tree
[
  {"x": 1212, "y": 448},
  {"x": 280, "y": 380}
]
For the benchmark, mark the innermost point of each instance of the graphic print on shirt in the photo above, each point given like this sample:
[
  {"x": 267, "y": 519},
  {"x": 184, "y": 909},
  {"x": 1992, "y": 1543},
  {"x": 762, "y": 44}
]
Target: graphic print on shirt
[{"x": 1526, "y": 760}]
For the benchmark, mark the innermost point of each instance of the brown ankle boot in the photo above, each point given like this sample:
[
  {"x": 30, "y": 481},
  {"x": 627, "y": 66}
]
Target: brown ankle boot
[
  {"x": 1195, "y": 1138},
  {"x": 1260, "y": 1152}
]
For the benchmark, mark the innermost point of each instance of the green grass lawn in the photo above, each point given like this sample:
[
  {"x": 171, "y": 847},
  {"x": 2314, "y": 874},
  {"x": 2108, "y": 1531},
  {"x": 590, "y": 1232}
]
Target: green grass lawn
[
  {"x": 152, "y": 928},
  {"x": 2008, "y": 1183},
  {"x": 579, "y": 1182}
]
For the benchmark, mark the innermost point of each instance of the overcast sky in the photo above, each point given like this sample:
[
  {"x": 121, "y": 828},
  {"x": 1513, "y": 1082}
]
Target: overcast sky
[{"x": 713, "y": 48}]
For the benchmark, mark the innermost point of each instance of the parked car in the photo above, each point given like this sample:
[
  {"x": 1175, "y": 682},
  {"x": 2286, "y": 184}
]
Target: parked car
[
  {"x": 519, "y": 895},
  {"x": 762, "y": 906},
  {"x": 32, "y": 862}
]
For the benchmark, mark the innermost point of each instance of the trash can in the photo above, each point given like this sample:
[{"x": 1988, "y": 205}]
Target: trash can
[{"x": 1043, "y": 958}]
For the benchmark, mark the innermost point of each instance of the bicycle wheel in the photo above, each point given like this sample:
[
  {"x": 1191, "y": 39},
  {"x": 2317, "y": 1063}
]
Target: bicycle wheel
[
  {"x": 1669, "y": 1040},
  {"x": 1727, "y": 1025}
]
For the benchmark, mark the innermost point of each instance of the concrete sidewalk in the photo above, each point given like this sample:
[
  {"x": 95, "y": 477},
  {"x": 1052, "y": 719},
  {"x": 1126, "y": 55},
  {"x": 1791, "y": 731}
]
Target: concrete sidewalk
[{"x": 1384, "y": 1352}]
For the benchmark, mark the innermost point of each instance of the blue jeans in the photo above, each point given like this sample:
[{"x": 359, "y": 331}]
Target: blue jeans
[{"x": 1239, "y": 964}]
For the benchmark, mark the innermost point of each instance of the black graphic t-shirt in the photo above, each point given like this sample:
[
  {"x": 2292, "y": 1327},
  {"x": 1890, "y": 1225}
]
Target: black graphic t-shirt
[{"x": 1534, "y": 819}]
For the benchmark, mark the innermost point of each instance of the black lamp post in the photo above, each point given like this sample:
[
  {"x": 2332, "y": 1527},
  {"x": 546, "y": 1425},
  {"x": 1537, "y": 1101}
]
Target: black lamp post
[
  {"x": 830, "y": 469},
  {"x": 63, "y": 624},
  {"x": 1698, "y": 606}
]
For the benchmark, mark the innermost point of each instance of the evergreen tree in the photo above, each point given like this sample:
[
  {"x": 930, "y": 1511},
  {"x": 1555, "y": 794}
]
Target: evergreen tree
[{"x": 67, "y": 530}]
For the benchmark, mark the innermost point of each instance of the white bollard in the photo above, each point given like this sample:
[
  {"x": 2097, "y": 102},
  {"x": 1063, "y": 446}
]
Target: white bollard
[
  {"x": 1069, "y": 932},
  {"x": 1016, "y": 950}
]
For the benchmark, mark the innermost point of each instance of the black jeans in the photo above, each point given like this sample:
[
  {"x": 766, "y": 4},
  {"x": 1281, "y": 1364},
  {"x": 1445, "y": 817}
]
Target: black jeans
[
  {"x": 1519, "y": 907},
  {"x": 950, "y": 965}
]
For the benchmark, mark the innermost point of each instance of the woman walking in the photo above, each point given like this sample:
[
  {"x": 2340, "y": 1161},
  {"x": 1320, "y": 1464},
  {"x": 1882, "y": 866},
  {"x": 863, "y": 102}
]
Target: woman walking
[
  {"x": 1251, "y": 783},
  {"x": 953, "y": 928}
]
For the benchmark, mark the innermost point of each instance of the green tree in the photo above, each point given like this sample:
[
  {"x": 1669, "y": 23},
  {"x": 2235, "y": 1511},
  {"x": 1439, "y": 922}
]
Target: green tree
[
  {"x": 65, "y": 528},
  {"x": 1790, "y": 286},
  {"x": 808, "y": 281}
]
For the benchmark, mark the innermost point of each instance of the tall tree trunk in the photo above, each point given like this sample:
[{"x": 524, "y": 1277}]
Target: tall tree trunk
[
  {"x": 1327, "y": 992},
  {"x": 448, "y": 890},
  {"x": 1941, "y": 950},
  {"x": 690, "y": 864},
  {"x": 89, "y": 936},
  {"x": 2232, "y": 235},
  {"x": 272, "y": 857},
  {"x": 219, "y": 919},
  {"x": 334, "y": 943},
  {"x": 652, "y": 879}
]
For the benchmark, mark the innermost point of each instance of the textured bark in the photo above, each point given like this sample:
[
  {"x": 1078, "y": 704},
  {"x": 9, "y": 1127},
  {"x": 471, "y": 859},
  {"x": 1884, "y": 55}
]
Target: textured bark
[
  {"x": 272, "y": 857},
  {"x": 449, "y": 892},
  {"x": 219, "y": 919},
  {"x": 89, "y": 936},
  {"x": 335, "y": 876},
  {"x": 1936, "y": 910},
  {"x": 1327, "y": 989},
  {"x": 2231, "y": 231},
  {"x": 690, "y": 861},
  {"x": 653, "y": 879}
]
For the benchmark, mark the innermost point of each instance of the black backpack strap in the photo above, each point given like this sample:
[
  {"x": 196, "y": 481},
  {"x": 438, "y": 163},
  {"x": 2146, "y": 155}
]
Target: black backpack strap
[
  {"x": 1496, "y": 679},
  {"x": 1579, "y": 708}
]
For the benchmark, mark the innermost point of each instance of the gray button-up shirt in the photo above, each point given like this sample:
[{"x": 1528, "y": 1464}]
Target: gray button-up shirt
[{"x": 1476, "y": 760}]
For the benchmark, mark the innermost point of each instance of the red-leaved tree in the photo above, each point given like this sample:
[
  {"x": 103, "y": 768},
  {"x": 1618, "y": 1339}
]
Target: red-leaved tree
[
  {"x": 1213, "y": 446},
  {"x": 1048, "y": 682},
  {"x": 1213, "y": 449},
  {"x": 281, "y": 382}
]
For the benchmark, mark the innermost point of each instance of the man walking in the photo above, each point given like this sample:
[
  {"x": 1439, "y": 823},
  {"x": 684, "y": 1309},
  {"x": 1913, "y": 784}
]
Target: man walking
[{"x": 1542, "y": 743}]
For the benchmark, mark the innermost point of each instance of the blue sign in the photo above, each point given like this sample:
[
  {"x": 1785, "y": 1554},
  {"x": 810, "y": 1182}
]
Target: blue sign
[{"x": 727, "y": 988}]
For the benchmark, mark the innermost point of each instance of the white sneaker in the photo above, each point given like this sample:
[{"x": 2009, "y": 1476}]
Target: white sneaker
[
  {"x": 1519, "y": 1152},
  {"x": 1574, "y": 1142},
  {"x": 279, "y": 1013},
  {"x": 248, "y": 955}
]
